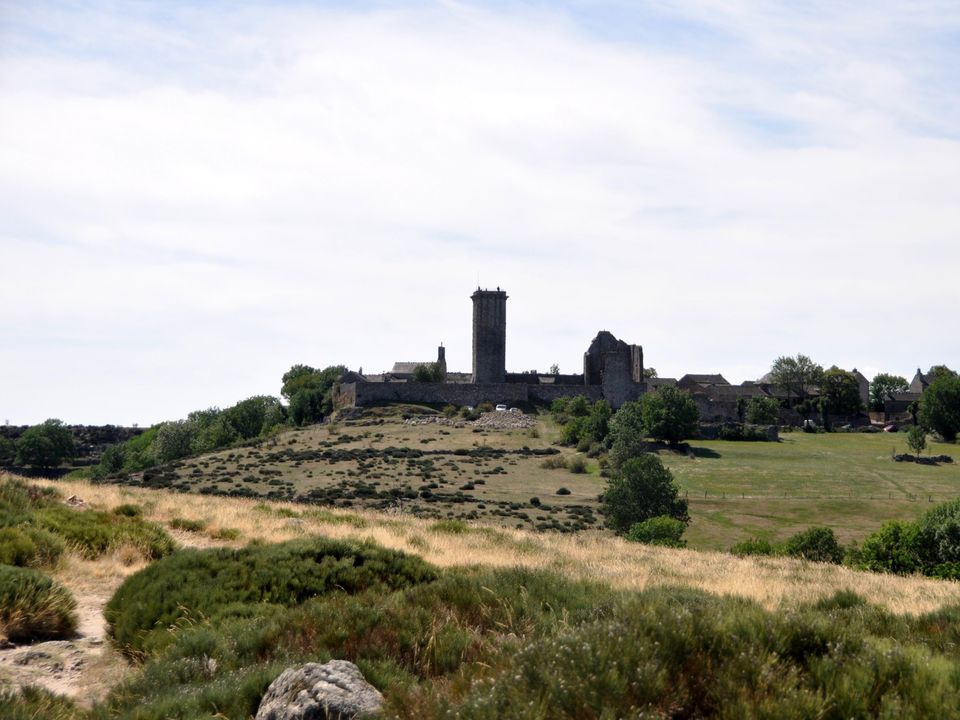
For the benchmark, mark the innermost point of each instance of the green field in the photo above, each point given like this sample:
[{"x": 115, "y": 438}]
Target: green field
[{"x": 847, "y": 481}]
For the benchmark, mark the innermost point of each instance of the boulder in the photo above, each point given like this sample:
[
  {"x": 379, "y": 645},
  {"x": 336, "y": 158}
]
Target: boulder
[{"x": 336, "y": 690}]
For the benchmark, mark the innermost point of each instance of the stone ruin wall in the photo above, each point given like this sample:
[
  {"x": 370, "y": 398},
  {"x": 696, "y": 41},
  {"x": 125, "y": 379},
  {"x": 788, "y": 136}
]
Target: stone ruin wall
[{"x": 360, "y": 394}]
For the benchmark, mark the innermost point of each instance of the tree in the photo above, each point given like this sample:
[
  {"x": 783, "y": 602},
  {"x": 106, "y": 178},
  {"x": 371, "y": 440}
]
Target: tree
[
  {"x": 554, "y": 369},
  {"x": 763, "y": 411},
  {"x": 649, "y": 373},
  {"x": 308, "y": 406},
  {"x": 917, "y": 440},
  {"x": 643, "y": 489},
  {"x": 938, "y": 371},
  {"x": 626, "y": 434},
  {"x": 8, "y": 450},
  {"x": 45, "y": 446},
  {"x": 940, "y": 407},
  {"x": 883, "y": 387},
  {"x": 670, "y": 414},
  {"x": 174, "y": 440},
  {"x": 301, "y": 377},
  {"x": 430, "y": 373},
  {"x": 248, "y": 417},
  {"x": 840, "y": 392},
  {"x": 795, "y": 375}
]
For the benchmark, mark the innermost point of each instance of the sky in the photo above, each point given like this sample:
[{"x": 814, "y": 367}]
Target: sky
[{"x": 196, "y": 196}]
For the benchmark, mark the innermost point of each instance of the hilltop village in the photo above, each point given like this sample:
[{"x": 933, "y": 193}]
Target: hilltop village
[{"x": 612, "y": 370}]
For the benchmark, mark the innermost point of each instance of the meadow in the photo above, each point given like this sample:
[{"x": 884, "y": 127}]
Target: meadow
[
  {"x": 517, "y": 479},
  {"x": 497, "y": 622}
]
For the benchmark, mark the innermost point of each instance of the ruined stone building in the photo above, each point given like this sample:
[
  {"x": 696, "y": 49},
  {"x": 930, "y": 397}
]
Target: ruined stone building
[{"x": 612, "y": 369}]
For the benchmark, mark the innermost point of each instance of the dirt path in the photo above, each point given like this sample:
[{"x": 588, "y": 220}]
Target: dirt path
[{"x": 86, "y": 666}]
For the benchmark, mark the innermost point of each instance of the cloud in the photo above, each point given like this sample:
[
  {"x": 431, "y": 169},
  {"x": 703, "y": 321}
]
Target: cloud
[{"x": 195, "y": 199}]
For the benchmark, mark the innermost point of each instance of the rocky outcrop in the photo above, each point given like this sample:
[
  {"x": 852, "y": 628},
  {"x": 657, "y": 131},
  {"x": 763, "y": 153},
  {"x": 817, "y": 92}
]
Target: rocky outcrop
[{"x": 336, "y": 690}]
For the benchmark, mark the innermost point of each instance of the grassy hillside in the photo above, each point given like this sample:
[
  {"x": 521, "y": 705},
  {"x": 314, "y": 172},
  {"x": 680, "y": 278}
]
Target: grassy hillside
[
  {"x": 736, "y": 489},
  {"x": 511, "y": 623}
]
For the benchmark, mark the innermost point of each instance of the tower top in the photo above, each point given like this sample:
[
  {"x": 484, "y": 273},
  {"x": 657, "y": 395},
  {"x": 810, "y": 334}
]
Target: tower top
[{"x": 498, "y": 293}]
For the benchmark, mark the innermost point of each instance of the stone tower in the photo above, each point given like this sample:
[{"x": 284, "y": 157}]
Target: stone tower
[{"x": 489, "y": 336}]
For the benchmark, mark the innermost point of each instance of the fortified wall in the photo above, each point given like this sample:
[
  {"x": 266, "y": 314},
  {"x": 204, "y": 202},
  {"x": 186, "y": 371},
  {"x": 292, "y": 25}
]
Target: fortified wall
[{"x": 612, "y": 370}]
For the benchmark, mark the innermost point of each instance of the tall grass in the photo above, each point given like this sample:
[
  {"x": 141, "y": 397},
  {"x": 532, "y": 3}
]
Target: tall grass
[{"x": 34, "y": 607}]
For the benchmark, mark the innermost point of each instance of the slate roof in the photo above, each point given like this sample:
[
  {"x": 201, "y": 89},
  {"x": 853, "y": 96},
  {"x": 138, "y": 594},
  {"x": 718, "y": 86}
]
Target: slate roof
[{"x": 704, "y": 379}]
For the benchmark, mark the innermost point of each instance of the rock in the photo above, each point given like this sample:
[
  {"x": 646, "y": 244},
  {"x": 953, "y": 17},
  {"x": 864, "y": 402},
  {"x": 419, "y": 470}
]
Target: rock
[{"x": 336, "y": 690}]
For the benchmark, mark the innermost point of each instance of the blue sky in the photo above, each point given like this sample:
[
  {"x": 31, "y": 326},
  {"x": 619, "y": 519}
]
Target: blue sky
[{"x": 194, "y": 197}]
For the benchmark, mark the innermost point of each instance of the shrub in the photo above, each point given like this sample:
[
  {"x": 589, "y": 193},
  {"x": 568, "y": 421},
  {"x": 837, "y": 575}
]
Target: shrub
[
  {"x": 763, "y": 411},
  {"x": 129, "y": 510},
  {"x": 188, "y": 525},
  {"x": 221, "y": 582},
  {"x": 29, "y": 546},
  {"x": 661, "y": 530},
  {"x": 817, "y": 543},
  {"x": 577, "y": 465},
  {"x": 94, "y": 533},
  {"x": 563, "y": 491},
  {"x": 34, "y": 607},
  {"x": 554, "y": 462},
  {"x": 894, "y": 548},
  {"x": 642, "y": 489},
  {"x": 754, "y": 546}
]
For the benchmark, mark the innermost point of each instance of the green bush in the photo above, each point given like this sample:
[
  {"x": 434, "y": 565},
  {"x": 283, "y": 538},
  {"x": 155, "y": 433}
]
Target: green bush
[
  {"x": 93, "y": 533},
  {"x": 894, "y": 548},
  {"x": 217, "y": 583},
  {"x": 34, "y": 607},
  {"x": 128, "y": 510},
  {"x": 754, "y": 546},
  {"x": 661, "y": 530},
  {"x": 577, "y": 465},
  {"x": 34, "y": 703},
  {"x": 817, "y": 543},
  {"x": 188, "y": 525},
  {"x": 643, "y": 489},
  {"x": 29, "y": 547}
]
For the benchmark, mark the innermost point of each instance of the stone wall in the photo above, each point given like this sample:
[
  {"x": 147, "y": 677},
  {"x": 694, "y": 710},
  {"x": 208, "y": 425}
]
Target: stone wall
[{"x": 349, "y": 394}]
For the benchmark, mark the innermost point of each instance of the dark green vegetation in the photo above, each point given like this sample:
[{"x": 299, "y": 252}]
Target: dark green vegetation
[
  {"x": 818, "y": 544},
  {"x": 930, "y": 545},
  {"x": 33, "y": 607},
  {"x": 44, "y": 446},
  {"x": 882, "y": 388},
  {"x": 642, "y": 489},
  {"x": 216, "y": 583},
  {"x": 940, "y": 406},
  {"x": 36, "y": 527},
  {"x": 662, "y": 530},
  {"x": 475, "y": 643}
]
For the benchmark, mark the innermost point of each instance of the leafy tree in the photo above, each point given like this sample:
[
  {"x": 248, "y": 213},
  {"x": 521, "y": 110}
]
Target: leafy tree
[
  {"x": 45, "y": 446},
  {"x": 430, "y": 373},
  {"x": 554, "y": 369},
  {"x": 883, "y": 387},
  {"x": 940, "y": 407},
  {"x": 213, "y": 434},
  {"x": 308, "y": 406},
  {"x": 795, "y": 375},
  {"x": 938, "y": 371},
  {"x": 840, "y": 392},
  {"x": 763, "y": 411},
  {"x": 174, "y": 440},
  {"x": 917, "y": 440},
  {"x": 643, "y": 489},
  {"x": 626, "y": 434},
  {"x": 301, "y": 377},
  {"x": 670, "y": 414},
  {"x": 248, "y": 417},
  {"x": 649, "y": 373},
  {"x": 8, "y": 450}
]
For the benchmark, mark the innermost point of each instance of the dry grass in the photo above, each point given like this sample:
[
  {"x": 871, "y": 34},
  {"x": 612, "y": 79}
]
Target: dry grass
[{"x": 592, "y": 555}]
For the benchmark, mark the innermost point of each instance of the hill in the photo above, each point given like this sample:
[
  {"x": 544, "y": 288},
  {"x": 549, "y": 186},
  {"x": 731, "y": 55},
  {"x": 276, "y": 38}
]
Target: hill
[{"x": 412, "y": 460}]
